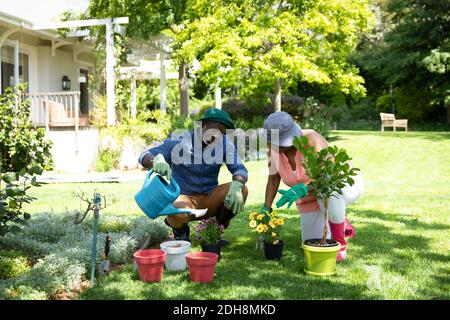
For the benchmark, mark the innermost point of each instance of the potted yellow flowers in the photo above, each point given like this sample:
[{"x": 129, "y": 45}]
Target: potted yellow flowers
[{"x": 268, "y": 225}]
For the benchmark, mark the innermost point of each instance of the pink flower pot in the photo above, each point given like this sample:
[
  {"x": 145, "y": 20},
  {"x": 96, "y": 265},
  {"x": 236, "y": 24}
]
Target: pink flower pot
[
  {"x": 150, "y": 264},
  {"x": 201, "y": 266}
]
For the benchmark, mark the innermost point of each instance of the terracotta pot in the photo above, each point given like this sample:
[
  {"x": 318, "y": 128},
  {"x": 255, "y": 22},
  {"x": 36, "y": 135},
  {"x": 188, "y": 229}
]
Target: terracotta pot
[
  {"x": 201, "y": 266},
  {"x": 150, "y": 264}
]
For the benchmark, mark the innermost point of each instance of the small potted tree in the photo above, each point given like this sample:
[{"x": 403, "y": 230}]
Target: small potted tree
[
  {"x": 268, "y": 225},
  {"x": 329, "y": 172},
  {"x": 208, "y": 233}
]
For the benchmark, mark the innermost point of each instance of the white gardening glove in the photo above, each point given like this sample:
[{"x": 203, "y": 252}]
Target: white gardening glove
[{"x": 235, "y": 199}]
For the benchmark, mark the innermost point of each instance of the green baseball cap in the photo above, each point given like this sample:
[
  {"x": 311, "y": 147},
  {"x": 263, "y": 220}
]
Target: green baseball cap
[{"x": 218, "y": 115}]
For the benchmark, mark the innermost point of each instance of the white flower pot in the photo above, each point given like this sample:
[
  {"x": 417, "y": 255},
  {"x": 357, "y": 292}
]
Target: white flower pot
[{"x": 176, "y": 254}]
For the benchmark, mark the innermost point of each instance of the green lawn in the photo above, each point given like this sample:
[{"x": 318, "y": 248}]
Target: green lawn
[{"x": 402, "y": 224}]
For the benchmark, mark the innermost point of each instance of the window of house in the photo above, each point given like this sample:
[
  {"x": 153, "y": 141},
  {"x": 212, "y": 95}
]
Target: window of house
[
  {"x": 84, "y": 91},
  {"x": 7, "y": 67}
]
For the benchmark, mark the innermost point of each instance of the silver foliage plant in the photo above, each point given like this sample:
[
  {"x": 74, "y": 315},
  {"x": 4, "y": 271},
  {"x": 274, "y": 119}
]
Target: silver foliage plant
[{"x": 60, "y": 247}]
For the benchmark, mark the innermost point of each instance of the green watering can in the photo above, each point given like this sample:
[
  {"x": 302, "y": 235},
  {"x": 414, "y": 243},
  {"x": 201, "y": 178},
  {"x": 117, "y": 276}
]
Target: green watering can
[{"x": 157, "y": 196}]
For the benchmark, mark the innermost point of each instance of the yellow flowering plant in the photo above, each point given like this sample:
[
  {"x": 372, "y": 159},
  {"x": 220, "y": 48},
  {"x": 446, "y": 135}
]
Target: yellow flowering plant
[{"x": 267, "y": 225}]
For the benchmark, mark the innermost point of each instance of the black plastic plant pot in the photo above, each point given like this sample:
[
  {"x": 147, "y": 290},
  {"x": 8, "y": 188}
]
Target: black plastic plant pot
[
  {"x": 214, "y": 248},
  {"x": 273, "y": 251}
]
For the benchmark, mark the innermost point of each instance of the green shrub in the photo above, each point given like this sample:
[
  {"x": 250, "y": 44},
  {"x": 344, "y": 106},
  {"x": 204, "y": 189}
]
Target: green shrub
[
  {"x": 63, "y": 250},
  {"x": 122, "y": 247},
  {"x": 50, "y": 274},
  {"x": 21, "y": 146},
  {"x": 11, "y": 292},
  {"x": 292, "y": 104},
  {"x": 145, "y": 227},
  {"x": 412, "y": 103},
  {"x": 254, "y": 123},
  {"x": 12, "y": 264},
  {"x": 98, "y": 113},
  {"x": 178, "y": 122},
  {"x": 107, "y": 160},
  {"x": 48, "y": 228},
  {"x": 385, "y": 103},
  {"x": 115, "y": 224},
  {"x": 33, "y": 248},
  {"x": 245, "y": 109},
  {"x": 199, "y": 106},
  {"x": 315, "y": 115},
  {"x": 14, "y": 194}
]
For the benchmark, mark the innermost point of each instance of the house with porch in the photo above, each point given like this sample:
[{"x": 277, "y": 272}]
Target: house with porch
[{"x": 56, "y": 71}]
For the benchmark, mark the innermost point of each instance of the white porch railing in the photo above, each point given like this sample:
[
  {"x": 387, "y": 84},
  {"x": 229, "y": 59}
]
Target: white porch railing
[{"x": 55, "y": 108}]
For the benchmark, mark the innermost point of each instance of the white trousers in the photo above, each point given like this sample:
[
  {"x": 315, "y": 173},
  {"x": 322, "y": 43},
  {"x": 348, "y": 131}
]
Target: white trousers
[{"x": 312, "y": 223}]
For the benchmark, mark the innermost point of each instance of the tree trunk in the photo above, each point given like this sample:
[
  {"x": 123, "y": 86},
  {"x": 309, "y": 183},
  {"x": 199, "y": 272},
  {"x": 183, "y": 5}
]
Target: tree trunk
[
  {"x": 325, "y": 226},
  {"x": 277, "y": 98},
  {"x": 182, "y": 84}
]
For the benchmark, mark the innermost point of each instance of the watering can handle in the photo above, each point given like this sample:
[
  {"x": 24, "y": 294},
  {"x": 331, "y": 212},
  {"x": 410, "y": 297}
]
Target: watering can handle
[{"x": 149, "y": 177}]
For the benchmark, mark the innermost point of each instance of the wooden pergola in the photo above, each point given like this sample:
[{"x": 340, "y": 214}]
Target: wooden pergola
[{"x": 148, "y": 61}]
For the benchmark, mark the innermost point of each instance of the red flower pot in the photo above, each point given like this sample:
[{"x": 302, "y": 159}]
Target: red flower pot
[
  {"x": 201, "y": 266},
  {"x": 150, "y": 264}
]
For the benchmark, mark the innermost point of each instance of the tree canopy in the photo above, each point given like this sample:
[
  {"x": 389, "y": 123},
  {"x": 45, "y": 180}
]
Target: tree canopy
[
  {"x": 145, "y": 17},
  {"x": 413, "y": 55},
  {"x": 253, "y": 45}
]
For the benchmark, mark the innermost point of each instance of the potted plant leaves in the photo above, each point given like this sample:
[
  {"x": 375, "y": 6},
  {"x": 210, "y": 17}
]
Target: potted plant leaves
[
  {"x": 209, "y": 233},
  {"x": 329, "y": 172},
  {"x": 269, "y": 226}
]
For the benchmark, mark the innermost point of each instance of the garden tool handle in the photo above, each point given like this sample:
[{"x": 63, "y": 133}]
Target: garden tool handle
[{"x": 107, "y": 246}]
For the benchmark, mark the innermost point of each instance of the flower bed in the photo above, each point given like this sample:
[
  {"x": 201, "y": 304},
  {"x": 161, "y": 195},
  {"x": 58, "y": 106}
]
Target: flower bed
[{"x": 61, "y": 251}]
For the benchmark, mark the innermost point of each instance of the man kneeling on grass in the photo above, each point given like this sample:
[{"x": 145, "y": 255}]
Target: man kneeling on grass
[{"x": 194, "y": 159}]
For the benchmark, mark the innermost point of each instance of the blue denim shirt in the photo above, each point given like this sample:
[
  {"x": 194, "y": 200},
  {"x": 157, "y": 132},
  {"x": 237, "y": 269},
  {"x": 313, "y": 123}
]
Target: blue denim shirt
[{"x": 194, "y": 166}]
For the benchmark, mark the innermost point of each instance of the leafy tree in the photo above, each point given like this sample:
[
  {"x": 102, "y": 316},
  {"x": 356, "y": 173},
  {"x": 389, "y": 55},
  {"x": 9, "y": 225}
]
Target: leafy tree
[
  {"x": 261, "y": 46},
  {"x": 413, "y": 54},
  {"x": 21, "y": 146}
]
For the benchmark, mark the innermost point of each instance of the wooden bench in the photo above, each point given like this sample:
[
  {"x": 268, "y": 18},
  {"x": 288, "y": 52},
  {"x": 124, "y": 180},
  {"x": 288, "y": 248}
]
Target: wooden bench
[{"x": 388, "y": 120}]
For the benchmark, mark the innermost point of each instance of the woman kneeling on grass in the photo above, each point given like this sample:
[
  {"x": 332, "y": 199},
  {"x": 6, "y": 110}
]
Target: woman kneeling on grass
[{"x": 285, "y": 159}]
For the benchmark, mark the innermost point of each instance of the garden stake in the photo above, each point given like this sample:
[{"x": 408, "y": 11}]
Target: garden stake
[{"x": 97, "y": 201}]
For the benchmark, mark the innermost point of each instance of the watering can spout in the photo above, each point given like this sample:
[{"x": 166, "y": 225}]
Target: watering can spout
[{"x": 157, "y": 196}]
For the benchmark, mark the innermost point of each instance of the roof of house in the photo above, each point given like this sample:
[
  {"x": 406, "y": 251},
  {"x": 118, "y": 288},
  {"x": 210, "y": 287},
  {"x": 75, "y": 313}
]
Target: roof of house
[
  {"x": 26, "y": 26},
  {"x": 47, "y": 10}
]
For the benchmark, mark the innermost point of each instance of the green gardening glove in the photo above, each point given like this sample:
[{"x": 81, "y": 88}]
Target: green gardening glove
[
  {"x": 264, "y": 210},
  {"x": 161, "y": 167},
  {"x": 235, "y": 199},
  {"x": 291, "y": 195}
]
